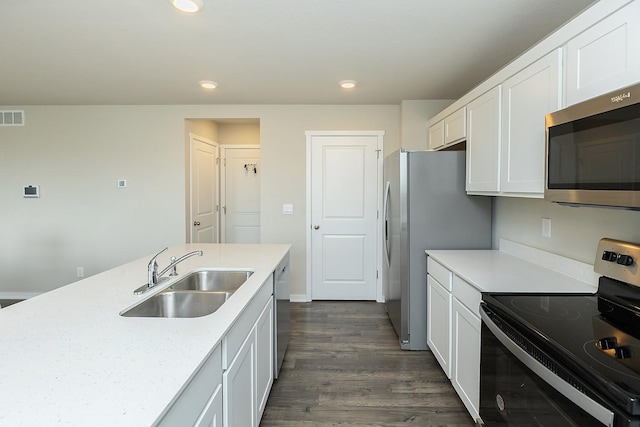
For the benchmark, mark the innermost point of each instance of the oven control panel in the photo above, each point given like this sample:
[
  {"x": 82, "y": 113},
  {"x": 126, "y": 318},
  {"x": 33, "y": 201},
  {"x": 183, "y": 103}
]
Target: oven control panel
[{"x": 618, "y": 260}]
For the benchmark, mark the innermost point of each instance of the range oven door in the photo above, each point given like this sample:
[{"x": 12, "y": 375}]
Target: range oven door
[{"x": 516, "y": 390}]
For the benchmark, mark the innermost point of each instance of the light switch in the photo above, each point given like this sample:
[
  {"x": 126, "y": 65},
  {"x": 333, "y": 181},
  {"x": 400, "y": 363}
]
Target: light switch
[{"x": 287, "y": 209}]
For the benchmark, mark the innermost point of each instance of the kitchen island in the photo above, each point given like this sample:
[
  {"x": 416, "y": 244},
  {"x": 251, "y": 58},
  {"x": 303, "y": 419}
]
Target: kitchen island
[{"x": 69, "y": 358}]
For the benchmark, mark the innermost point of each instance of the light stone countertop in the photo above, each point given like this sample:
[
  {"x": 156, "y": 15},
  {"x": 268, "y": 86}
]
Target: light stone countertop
[
  {"x": 499, "y": 271},
  {"x": 68, "y": 358}
]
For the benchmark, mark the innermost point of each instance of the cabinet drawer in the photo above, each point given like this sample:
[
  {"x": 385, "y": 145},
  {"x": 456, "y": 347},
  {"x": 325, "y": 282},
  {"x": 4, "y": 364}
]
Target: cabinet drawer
[
  {"x": 243, "y": 325},
  {"x": 439, "y": 272},
  {"x": 467, "y": 295}
]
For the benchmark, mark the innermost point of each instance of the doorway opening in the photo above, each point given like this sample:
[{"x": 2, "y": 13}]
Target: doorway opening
[{"x": 222, "y": 181}]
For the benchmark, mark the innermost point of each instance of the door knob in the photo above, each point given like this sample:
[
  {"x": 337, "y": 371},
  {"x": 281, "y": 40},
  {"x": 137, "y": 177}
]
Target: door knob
[
  {"x": 315, "y": 227},
  {"x": 196, "y": 223}
]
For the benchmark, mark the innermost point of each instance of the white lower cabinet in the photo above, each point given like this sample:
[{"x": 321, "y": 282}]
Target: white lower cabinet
[
  {"x": 439, "y": 323},
  {"x": 239, "y": 387},
  {"x": 212, "y": 414},
  {"x": 453, "y": 331},
  {"x": 232, "y": 385},
  {"x": 465, "y": 373},
  {"x": 264, "y": 357},
  {"x": 248, "y": 376}
]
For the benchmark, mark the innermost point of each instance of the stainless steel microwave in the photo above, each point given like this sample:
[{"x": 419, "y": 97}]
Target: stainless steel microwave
[{"x": 593, "y": 151}]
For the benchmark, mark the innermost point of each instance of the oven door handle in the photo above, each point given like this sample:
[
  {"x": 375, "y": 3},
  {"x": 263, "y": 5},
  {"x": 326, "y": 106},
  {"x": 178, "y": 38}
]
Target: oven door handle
[{"x": 593, "y": 408}]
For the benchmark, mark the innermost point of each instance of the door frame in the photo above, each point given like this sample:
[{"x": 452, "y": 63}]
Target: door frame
[
  {"x": 216, "y": 146},
  {"x": 379, "y": 188},
  {"x": 223, "y": 183}
]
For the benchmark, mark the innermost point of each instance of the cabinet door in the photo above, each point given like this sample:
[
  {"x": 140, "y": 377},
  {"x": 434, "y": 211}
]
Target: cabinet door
[
  {"x": 483, "y": 143},
  {"x": 526, "y": 98},
  {"x": 239, "y": 390},
  {"x": 264, "y": 356},
  {"x": 455, "y": 126},
  {"x": 439, "y": 323},
  {"x": 436, "y": 135},
  {"x": 465, "y": 374},
  {"x": 200, "y": 396},
  {"x": 212, "y": 414},
  {"x": 605, "y": 57}
]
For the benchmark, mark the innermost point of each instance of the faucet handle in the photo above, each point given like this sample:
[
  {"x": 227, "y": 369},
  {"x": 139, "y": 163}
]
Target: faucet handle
[
  {"x": 153, "y": 260},
  {"x": 152, "y": 269}
]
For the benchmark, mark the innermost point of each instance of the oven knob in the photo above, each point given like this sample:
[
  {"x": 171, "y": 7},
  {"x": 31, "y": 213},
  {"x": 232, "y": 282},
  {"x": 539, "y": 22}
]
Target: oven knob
[
  {"x": 609, "y": 256},
  {"x": 624, "y": 260},
  {"x": 623, "y": 352},
  {"x": 607, "y": 343}
]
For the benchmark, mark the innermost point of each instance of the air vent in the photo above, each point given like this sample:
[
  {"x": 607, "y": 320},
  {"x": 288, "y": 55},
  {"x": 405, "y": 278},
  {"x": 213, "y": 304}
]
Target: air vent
[{"x": 11, "y": 117}]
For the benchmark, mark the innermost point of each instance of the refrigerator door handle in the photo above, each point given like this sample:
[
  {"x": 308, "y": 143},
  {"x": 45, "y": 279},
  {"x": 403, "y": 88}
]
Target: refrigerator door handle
[{"x": 387, "y": 247}]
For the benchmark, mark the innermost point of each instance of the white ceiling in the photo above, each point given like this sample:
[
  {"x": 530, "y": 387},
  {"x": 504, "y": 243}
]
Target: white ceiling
[{"x": 262, "y": 52}]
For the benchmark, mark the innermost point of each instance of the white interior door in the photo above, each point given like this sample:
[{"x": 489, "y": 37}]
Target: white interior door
[
  {"x": 345, "y": 193},
  {"x": 241, "y": 194},
  {"x": 204, "y": 191}
]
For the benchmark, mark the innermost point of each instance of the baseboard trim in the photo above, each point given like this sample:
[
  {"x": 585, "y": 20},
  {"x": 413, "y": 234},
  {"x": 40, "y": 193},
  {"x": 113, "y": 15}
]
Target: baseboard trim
[{"x": 299, "y": 298}]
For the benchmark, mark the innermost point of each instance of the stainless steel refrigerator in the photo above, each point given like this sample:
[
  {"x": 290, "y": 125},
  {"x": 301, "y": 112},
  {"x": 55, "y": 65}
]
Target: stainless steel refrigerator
[{"x": 425, "y": 207}]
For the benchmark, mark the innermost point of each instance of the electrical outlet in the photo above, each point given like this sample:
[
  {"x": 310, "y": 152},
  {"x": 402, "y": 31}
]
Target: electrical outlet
[
  {"x": 80, "y": 271},
  {"x": 546, "y": 227}
]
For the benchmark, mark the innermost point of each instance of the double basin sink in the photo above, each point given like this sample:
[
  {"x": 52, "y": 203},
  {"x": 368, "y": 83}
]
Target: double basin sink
[{"x": 197, "y": 294}]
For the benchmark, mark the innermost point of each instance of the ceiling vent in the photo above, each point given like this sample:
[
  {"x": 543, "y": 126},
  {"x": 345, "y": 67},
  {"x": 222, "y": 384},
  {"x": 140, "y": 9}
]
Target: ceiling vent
[{"x": 11, "y": 117}]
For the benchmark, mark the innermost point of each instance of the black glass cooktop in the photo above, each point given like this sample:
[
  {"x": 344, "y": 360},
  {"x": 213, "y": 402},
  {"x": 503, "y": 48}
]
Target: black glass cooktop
[{"x": 577, "y": 332}]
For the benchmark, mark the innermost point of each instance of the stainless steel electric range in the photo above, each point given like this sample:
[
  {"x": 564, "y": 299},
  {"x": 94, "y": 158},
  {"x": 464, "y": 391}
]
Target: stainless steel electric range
[{"x": 566, "y": 359}]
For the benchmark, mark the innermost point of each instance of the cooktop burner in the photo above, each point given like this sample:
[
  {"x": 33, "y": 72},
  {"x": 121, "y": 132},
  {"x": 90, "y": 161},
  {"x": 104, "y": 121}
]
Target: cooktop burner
[
  {"x": 603, "y": 357},
  {"x": 545, "y": 306}
]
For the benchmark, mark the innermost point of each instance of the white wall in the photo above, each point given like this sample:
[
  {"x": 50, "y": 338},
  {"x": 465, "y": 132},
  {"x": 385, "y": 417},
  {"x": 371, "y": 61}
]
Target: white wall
[
  {"x": 575, "y": 232},
  {"x": 77, "y": 154},
  {"x": 414, "y": 117},
  {"x": 239, "y": 134}
]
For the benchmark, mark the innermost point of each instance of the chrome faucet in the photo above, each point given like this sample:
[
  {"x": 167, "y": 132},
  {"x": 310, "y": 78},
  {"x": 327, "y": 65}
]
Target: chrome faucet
[
  {"x": 175, "y": 262},
  {"x": 152, "y": 270}
]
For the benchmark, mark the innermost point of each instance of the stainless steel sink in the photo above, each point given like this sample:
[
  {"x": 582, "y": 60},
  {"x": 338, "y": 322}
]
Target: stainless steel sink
[
  {"x": 212, "y": 280},
  {"x": 196, "y": 294},
  {"x": 179, "y": 304}
]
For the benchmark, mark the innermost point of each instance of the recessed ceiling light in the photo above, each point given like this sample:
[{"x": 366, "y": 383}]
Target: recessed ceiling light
[
  {"x": 189, "y": 6},
  {"x": 208, "y": 84},
  {"x": 348, "y": 84}
]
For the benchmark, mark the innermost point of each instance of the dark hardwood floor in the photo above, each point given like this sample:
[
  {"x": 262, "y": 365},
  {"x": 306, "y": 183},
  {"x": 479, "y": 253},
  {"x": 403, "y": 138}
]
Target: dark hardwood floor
[{"x": 344, "y": 367}]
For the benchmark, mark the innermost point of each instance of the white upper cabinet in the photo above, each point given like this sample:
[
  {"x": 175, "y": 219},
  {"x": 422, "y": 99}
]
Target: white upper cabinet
[
  {"x": 483, "y": 143},
  {"x": 605, "y": 56},
  {"x": 455, "y": 126},
  {"x": 436, "y": 135},
  {"x": 526, "y": 98},
  {"x": 451, "y": 130}
]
